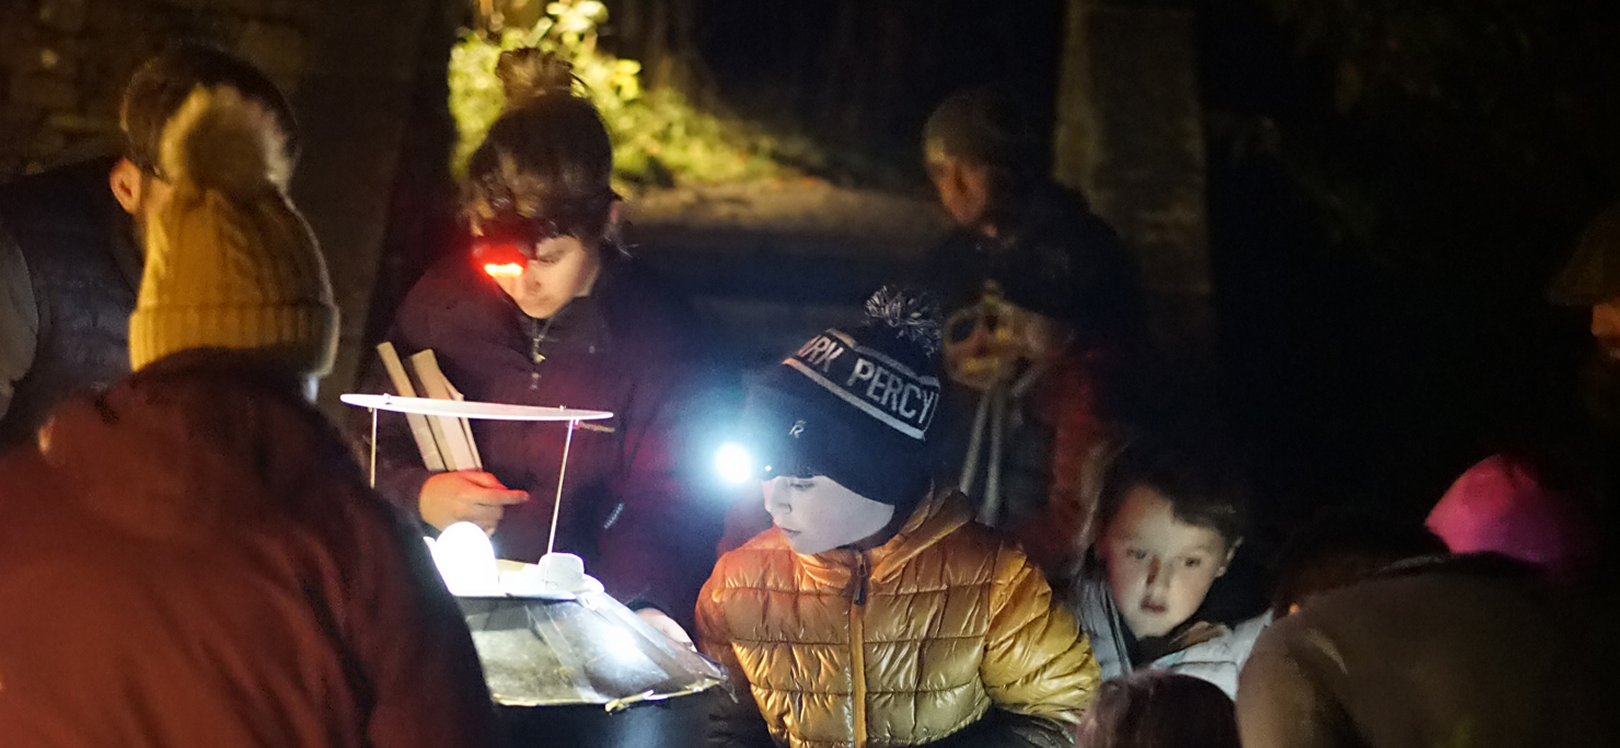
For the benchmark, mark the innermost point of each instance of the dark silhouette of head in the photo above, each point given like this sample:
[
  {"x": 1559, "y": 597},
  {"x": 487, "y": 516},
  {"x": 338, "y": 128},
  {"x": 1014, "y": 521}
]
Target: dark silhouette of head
[{"x": 1159, "y": 709}]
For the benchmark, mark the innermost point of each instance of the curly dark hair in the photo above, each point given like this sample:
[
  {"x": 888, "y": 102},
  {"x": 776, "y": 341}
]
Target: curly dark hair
[{"x": 547, "y": 162}]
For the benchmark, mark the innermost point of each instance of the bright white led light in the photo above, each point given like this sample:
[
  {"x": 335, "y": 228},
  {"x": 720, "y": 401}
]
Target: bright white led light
[
  {"x": 734, "y": 464},
  {"x": 466, "y": 560}
]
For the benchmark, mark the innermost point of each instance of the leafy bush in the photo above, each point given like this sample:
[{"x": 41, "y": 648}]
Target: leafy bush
[{"x": 659, "y": 136}]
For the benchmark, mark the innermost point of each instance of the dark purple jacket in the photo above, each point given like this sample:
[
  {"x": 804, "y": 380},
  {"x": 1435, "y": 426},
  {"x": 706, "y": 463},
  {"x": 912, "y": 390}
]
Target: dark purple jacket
[{"x": 629, "y": 503}]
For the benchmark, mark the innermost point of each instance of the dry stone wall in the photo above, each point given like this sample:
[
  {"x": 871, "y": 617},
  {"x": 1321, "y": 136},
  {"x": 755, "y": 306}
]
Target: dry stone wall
[
  {"x": 63, "y": 63},
  {"x": 1129, "y": 133}
]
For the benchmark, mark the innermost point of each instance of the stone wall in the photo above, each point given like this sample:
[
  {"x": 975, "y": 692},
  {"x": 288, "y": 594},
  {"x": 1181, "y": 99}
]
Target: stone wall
[
  {"x": 1130, "y": 134},
  {"x": 63, "y": 63},
  {"x": 352, "y": 69}
]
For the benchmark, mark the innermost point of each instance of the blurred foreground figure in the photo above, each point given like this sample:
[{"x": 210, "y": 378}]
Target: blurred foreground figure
[
  {"x": 1159, "y": 709},
  {"x": 1506, "y": 505},
  {"x": 549, "y": 309},
  {"x": 70, "y": 248},
  {"x": 1550, "y": 498},
  {"x": 876, "y": 611},
  {"x": 192, "y": 558},
  {"x": 1476, "y": 651},
  {"x": 1591, "y": 279},
  {"x": 1045, "y": 318}
]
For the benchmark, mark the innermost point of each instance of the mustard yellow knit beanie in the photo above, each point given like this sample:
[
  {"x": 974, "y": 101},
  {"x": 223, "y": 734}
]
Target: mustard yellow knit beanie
[{"x": 229, "y": 261}]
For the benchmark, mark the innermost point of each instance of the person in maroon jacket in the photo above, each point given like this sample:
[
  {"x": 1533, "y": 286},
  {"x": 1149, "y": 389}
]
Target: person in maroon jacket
[
  {"x": 192, "y": 557},
  {"x": 549, "y": 310}
]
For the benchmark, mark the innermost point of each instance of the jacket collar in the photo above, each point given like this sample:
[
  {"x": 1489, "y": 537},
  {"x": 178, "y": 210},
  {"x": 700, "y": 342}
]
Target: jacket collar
[
  {"x": 490, "y": 314},
  {"x": 940, "y": 514}
]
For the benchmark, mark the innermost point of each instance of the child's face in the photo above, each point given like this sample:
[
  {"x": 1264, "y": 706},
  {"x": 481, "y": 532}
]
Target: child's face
[
  {"x": 817, "y": 514},
  {"x": 1159, "y": 568}
]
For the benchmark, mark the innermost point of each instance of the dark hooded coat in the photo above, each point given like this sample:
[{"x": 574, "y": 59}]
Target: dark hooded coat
[{"x": 631, "y": 505}]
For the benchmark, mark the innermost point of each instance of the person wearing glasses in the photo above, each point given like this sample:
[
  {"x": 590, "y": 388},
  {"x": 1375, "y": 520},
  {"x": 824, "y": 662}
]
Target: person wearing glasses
[
  {"x": 547, "y": 308},
  {"x": 70, "y": 261}
]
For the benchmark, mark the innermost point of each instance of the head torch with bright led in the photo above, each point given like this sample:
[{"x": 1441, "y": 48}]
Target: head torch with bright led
[
  {"x": 741, "y": 461},
  {"x": 735, "y": 464}
]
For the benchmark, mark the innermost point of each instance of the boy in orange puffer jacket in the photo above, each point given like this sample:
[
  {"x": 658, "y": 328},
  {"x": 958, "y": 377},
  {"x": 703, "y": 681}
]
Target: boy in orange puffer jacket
[{"x": 876, "y": 612}]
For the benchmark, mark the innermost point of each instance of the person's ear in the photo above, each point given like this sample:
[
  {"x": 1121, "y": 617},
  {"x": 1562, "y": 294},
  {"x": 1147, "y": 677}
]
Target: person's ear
[
  {"x": 126, "y": 181},
  {"x": 610, "y": 229},
  {"x": 1231, "y": 551}
]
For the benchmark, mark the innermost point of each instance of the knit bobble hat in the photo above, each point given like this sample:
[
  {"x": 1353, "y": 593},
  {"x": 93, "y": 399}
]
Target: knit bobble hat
[
  {"x": 229, "y": 261},
  {"x": 1592, "y": 275},
  {"x": 857, "y": 405}
]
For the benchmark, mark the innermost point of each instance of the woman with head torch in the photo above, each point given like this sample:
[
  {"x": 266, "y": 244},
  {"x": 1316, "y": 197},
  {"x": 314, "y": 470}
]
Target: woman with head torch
[{"x": 549, "y": 310}]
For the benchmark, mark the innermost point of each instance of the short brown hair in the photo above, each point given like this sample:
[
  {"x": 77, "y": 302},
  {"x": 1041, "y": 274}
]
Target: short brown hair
[
  {"x": 158, "y": 88},
  {"x": 1200, "y": 482},
  {"x": 989, "y": 127}
]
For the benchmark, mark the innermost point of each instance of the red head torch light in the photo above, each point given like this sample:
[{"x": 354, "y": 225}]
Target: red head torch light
[
  {"x": 500, "y": 270},
  {"x": 503, "y": 248},
  {"x": 499, "y": 258}
]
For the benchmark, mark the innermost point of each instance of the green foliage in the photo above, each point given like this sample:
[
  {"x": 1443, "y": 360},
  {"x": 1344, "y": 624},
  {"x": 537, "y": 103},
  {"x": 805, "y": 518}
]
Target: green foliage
[{"x": 659, "y": 136}]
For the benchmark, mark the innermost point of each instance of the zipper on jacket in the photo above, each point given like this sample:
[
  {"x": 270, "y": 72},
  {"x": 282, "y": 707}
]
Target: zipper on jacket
[
  {"x": 537, "y": 335},
  {"x": 857, "y": 644}
]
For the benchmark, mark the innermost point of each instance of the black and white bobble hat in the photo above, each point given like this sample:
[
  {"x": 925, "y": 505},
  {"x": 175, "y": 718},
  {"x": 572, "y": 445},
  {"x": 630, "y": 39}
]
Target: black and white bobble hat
[{"x": 857, "y": 404}]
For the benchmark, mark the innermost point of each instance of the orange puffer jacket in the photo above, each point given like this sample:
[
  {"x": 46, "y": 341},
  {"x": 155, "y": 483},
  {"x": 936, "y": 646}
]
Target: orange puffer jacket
[{"x": 903, "y": 644}]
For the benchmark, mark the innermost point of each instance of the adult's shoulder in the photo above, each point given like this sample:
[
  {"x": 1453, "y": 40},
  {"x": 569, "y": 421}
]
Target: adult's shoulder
[
  {"x": 444, "y": 282},
  {"x": 253, "y": 447},
  {"x": 75, "y": 194},
  {"x": 643, "y": 306},
  {"x": 441, "y": 299},
  {"x": 1057, "y": 215},
  {"x": 78, "y": 178},
  {"x": 976, "y": 542}
]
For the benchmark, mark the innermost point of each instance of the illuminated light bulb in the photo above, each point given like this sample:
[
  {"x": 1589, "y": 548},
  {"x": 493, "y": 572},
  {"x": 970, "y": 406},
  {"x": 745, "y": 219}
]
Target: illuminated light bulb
[
  {"x": 506, "y": 270},
  {"x": 466, "y": 560},
  {"x": 734, "y": 464}
]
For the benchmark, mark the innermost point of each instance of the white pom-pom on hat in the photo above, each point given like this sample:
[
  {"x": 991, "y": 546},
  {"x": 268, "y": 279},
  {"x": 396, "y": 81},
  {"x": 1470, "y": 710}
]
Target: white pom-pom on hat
[
  {"x": 913, "y": 313},
  {"x": 223, "y": 141},
  {"x": 229, "y": 261}
]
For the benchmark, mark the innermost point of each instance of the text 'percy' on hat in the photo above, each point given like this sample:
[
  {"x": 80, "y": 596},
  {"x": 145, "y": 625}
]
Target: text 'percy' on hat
[{"x": 857, "y": 404}]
